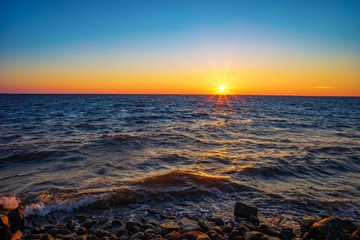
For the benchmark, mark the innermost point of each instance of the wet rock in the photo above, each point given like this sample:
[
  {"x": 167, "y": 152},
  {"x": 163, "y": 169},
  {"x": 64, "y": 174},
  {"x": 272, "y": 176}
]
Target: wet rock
[
  {"x": 238, "y": 238},
  {"x": 116, "y": 223},
  {"x": 138, "y": 229},
  {"x": 124, "y": 237},
  {"x": 219, "y": 222},
  {"x": 149, "y": 232},
  {"x": 4, "y": 227},
  {"x": 215, "y": 236},
  {"x": 217, "y": 229},
  {"x": 138, "y": 235},
  {"x": 355, "y": 235},
  {"x": 130, "y": 225},
  {"x": 191, "y": 235},
  {"x": 17, "y": 235},
  {"x": 91, "y": 237},
  {"x": 306, "y": 223},
  {"x": 229, "y": 226},
  {"x": 253, "y": 235},
  {"x": 170, "y": 225},
  {"x": 243, "y": 230},
  {"x": 173, "y": 236},
  {"x": 16, "y": 219},
  {"x": 205, "y": 225},
  {"x": 104, "y": 238},
  {"x": 88, "y": 223},
  {"x": 66, "y": 237},
  {"x": 286, "y": 233},
  {"x": 190, "y": 227},
  {"x": 331, "y": 229},
  {"x": 262, "y": 228},
  {"x": 202, "y": 236},
  {"x": 81, "y": 231},
  {"x": 71, "y": 225},
  {"x": 254, "y": 220},
  {"x": 59, "y": 231},
  {"x": 244, "y": 210},
  {"x": 234, "y": 234},
  {"x": 81, "y": 238},
  {"x": 122, "y": 232},
  {"x": 102, "y": 233},
  {"x": 150, "y": 225}
]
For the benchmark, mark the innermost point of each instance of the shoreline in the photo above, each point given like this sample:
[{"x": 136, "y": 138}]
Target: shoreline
[{"x": 245, "y": 224}]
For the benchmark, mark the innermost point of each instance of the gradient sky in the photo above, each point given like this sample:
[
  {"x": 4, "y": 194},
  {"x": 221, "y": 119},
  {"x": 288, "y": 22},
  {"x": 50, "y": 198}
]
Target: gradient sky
[{"x": 183, "y": 47}]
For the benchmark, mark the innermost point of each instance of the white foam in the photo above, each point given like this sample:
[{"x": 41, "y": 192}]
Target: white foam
[{"x": 9, "y": 203}]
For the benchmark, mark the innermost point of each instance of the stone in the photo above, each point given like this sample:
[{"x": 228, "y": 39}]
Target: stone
[
  {"x": 16, "y": 219},
  {"x": 173, "y": 236},
  {"x": 138, "y": 235},
  {"x": 205, "y": 225},
  {"x": 91, "y": 237},
  {"x": 229, "y": 226},
  {"x": 59, "y": 231},
  {"x": 149, "y": 225},
  {"x": 331, "y": 228},
  {"x": 122, "y": 232},
  {"x": 88, "y": 223},
  {"x": 190, "y": 227},
  {"x": 217, "y": 229},
  {"x": 71, "y": 225},
  {"x": 81, "y": 231},
  {"x": 262, "y": 228},
  {"x": 138, "y": 229},
  {"x": 150, "y": 231},
  {"x": 202, "y": 236},
  {"x": 170, "y": 225},
  {"x": 116, "y": 223},
  {"x": 254, "y": 220},
  {"x": 130, "y": 225},
  {"x": 355, "y": 235},
  {"x": 219, "y": 222},
  {"x": 102, "y": 233},
  {"x": 191, "y": 235},
  {"x": 244, "y": 210},
  {"x": 286, "y": 233},
  {"x": 104, "y": 238},
  {"x": 83, "y": 237},
  {"x": 214, "y": 235},
  {"x": 234, "y": 234},
  {"x": 66, "y": 237},
  {"x": 253, "y": 235},
  {"x": 4, "y": 227},
  {"x": 17, "y": 235},
  {"x": 306, "y": 223}
]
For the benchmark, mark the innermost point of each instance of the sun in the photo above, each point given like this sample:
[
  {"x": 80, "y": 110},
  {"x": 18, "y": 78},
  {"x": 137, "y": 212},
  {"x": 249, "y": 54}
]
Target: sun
[{"x": 221, "y": 88}]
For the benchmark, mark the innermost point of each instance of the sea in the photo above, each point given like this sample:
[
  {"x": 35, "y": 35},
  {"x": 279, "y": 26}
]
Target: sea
[{"x": 180, "y": 155}]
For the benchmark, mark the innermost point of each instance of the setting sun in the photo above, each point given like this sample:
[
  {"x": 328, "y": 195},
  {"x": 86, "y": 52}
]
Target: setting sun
[{"x": 221, "y": 88}]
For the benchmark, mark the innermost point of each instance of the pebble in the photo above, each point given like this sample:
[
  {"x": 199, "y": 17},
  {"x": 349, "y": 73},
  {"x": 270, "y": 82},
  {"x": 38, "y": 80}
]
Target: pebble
[
  {"x": 116, "y": 223},
  {"x": 138, "y": 235},
  {"x": 190, "y": 227},
  {"x": 202, "y": 236},
  {"x": 170, "y": 225}
]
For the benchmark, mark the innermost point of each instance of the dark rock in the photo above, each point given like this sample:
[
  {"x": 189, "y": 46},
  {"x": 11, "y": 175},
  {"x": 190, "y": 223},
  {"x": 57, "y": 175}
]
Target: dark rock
[
  {"x": 83, "y": 237},
  {"x": 244, "y": 210},
  {"x": 149, "y": 231},
  {"x": 205, "y": 225},
  {"x": 191, "y": 235},
  {"x": 116, "y": 223},
  {"x": 138, "y": 229},
  {"x": 286, "y": 233},
  {"x": 122, "y": 232},
  {"x": 16, "y": 219},
  {"x": 4, "y": 227},
  {"x": 355, "y": 235},
  {"x": 173, "y": 236},
  {"x": 190, "y": 227},
  {"x": 91, "y": 237},
  {"x": 262, "y": 228},
  {"x": 254, "y": 220},
  {"x": 215, "y": 236},
  {"x": 243, "y": 230},
  {"x": 88, "y": 223},
  {"x": 202, "y": 236},
  {"x": 331, "y": 229},
  {"x": 138, "y": 235},
  {"x": 170, "y": 225},
  {"x": 217, "y": 229},
  {"x": 130, "y": 225},
  {"x": 102, "y": 233},
  {"x": 253, "y": 235},
  {"x": 306, "y": 223},
  {"x": 219, "y": 222},
  {"x": 81, "y": 231},
  {"x": 234, "y": 234},
  {"x": 59, "y": 231},
  {"x": 104, "y": 238},
  {"x": 247, "y": 224},
  {"x": 71, "y": 225},
  {"x": 17, "y": 235},
  {"x": 150, "y": 225},
  {"x": 229, "y": 226},
  {"x": 66, "y": 237},
  {"x": 239, "y": 238}
]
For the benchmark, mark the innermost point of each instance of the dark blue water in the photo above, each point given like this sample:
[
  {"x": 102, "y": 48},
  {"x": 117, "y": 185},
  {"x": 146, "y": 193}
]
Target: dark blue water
[{"x": 285, "y": 155}]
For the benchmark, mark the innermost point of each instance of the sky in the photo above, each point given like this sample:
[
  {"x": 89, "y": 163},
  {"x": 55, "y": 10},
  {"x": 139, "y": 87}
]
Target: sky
[{"x": 270, "y": 47}]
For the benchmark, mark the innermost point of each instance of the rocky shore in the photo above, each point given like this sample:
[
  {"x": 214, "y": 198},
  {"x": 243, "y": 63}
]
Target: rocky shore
[{"x": 245, "y": 225}]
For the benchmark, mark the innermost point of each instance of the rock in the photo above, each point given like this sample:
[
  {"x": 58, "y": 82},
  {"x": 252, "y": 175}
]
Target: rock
[
  {"x": 244, "y": 210},
  {"x": 262, "y": 228},
  {"x": 331, "y": 229},
  {"x": 205, "y": 225},
  {"x": 202, "y": 236},
  {"x": 130, "y": 225},
  {"x": 217, "y": 229},
  {"x": 253, "y": 235},
  {"x": 190, "y": 227},
  {"x": 229, "y": 226},
  {"x": 191, "y": 235},
  {"x": 71, "y": 225},
  {"x": 286, "y": 233},
  {"x": 306, "y": 223},
  {"x": 149, "y": 232},
  {"x": 16, "y": 219},
  {"x": 122, "y": 232},
  {"x": 149, "y": 225},
  {"x": 247, "y": 224},
  {"x": 116, "y": 223},
  {"x": 17, "y": 235},
  {"x": 355, "y": 235},
  {"x": 243, "y": 230},
  {"x": 81, "y": 231},
  {"x": 138, "y": 229},
  {"x": 66, "y": 237},
  {"x": 83, "y": 237},
  {"x": 124, "y": 237},
  {"x": 215, "y": 236},
  {"x": 219, "y": 222},
  {"x": 4, "y": 227},
  {"x": 254, "y": 220},
  {"x": 170, "y": 225},
  {"x": 88, "y": 223},
  {"x": 59, "y": 231},
  {"x": 104, "y": 238},
  {"x": 173, "y": 236},
  {"x": 234, "y": 234},
  {"x": 91, "y": 237},
  {"x": 102, "y": 233},
  {"x": 138, "y": 235}
]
